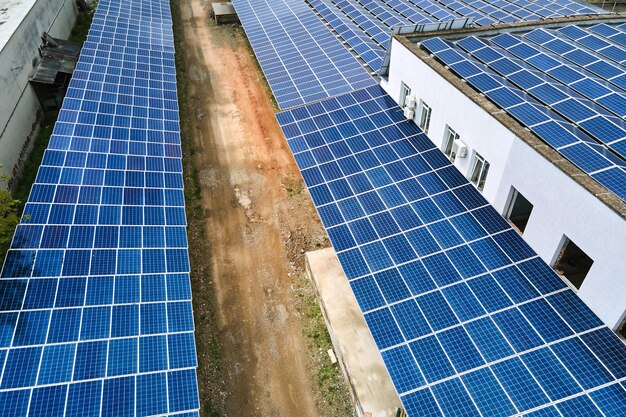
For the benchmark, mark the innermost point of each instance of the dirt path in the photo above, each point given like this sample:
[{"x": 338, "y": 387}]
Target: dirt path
[{"x": 243, "y": 165}]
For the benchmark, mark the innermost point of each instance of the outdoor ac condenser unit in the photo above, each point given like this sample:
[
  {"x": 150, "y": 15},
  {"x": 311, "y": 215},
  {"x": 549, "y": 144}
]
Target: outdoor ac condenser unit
[
  {"x": 412, "y": 103},
  {"x": 459, "y": 148},
  {"x": 409, "y": 113}
]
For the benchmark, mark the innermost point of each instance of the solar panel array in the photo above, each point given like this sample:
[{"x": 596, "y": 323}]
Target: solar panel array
[
  {"x": 301, "y": 59},
  {"x": 568, "y": 86},
  {"x": 358, "y": 41},
  {"x": 95, "y": 307},
  {"x": 376, "y": 18},
  {"x": 468, "y": 319}
]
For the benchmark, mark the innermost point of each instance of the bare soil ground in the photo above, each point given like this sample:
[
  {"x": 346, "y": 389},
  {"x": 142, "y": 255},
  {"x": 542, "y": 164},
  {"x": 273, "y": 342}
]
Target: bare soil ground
[{"x": 250, "y": 222}]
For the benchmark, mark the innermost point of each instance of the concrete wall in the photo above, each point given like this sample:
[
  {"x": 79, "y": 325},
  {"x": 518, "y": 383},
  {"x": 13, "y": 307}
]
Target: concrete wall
[
  {"x": 561, "y": 206},
  {"x": 20, "y": 111}
]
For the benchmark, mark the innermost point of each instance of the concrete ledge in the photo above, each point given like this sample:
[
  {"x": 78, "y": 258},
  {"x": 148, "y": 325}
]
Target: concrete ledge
[{"x": 370, "y": 385}]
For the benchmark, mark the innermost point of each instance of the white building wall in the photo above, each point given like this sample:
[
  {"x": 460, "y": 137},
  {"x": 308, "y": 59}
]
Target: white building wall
[
  {"x": 20, "y": 110},
  {"x": 562, "y": 207}
]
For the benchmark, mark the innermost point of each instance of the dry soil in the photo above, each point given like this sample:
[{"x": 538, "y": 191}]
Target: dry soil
[{"x": 259, "y": 222}]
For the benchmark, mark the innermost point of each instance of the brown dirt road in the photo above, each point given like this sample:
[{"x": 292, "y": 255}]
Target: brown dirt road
[{"x": 257, "y": 226}]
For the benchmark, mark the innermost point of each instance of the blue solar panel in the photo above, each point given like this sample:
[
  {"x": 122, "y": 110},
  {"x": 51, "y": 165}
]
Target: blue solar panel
[
  {"x": 96, "y": 314},
  {"x": 573, "y": 112},
  {"x": 318, "y": 65},
  {"x": 467, "y": 318},
  {"x": 366, "y": 27},
  {"x": 361, "y": 43},
  {"x": 544, "y": 88}
]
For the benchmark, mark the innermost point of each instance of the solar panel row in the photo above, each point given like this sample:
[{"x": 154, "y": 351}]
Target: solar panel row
[
  {"x": 376, "y": 17},
  {"x": 416, "y": 14},
  {"x": 541, "y": 101},
  {"x": 554, "y": 84},
  {"x": 384, "y": 12},
  {"x": 468, "y": 319},
  {"x": 301, "y": 59},
  {"x": 364, "y": 46},
  {"x": 369, "y": 23},
  {"x": 95, "y": 314}
]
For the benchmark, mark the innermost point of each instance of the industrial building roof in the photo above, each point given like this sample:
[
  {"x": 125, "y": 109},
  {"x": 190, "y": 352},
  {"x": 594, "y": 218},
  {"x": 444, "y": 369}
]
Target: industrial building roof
[
  {"x": 57, "y": 56},
  {"x": 566, "y": 83}
]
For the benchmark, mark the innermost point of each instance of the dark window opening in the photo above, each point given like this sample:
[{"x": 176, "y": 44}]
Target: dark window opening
[
  {"x": 573, "y": 263},
  {"x": 519, "y": 211}
]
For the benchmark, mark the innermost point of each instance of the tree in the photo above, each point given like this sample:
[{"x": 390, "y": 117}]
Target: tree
[{"x": 9, "y": 220}]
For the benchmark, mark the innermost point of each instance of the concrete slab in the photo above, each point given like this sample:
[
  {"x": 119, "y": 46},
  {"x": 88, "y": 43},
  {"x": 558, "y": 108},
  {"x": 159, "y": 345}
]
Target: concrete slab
[{"x": 370, "y": 385}]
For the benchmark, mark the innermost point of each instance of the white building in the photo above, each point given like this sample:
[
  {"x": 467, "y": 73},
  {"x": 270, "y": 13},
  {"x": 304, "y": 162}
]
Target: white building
[
  {"x": 549, "y": 200},
  {"x": 22, "y": 24}
]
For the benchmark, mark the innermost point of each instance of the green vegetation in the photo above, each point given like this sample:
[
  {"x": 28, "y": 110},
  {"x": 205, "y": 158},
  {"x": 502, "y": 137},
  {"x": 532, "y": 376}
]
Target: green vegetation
[
  {"x": 293, "y": 185},
  {"x": 328, "y": 377},
  {"x": 12, "y": 205},
  {"x": 29, "y": 171},
  {"x": 83, "y": 23},
  {"x": 9, "y": 218}
]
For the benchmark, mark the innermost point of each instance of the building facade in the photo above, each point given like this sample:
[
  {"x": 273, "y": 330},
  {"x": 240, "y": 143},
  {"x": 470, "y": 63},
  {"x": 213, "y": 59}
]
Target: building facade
[{"x": 550, "y": 202}]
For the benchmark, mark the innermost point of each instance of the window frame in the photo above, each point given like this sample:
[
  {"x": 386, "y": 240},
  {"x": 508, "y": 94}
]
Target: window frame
[
  {"x": 405, "y": 92},
  {"x": 450, "y": 135},
  {"x": 562, "y": 250},
  {"x": 512, "y": 200},
  {"x": 479, "y": 178},
  {"x": 425, "y": 109}
]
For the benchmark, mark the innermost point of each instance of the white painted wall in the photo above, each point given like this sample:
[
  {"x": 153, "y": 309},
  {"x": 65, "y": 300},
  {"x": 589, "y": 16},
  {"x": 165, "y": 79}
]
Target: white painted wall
[
  {"x": 450, "y": 107},
  {"x": 20, "y": 110},
  {"x": 561, "y": 205}
]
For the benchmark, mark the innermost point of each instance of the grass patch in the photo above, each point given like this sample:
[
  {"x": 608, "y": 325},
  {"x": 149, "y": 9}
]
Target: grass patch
[
  {"x": 83, "y": 23},
  {"x": 328, "y": 378},
  {"x": 29, "y": 172},
  {"x": 293, "y": 185}
]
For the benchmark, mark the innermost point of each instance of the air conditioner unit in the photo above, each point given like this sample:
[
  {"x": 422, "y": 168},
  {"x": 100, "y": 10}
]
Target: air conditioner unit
[
  {"x": 459, "y": 148},
  {"x": 412, "y": 103},
  {"x": 409, "y": 113}
]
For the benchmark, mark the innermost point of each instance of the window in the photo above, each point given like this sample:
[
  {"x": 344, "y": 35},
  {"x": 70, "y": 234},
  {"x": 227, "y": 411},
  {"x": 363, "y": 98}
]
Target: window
[
  {"x": 572, "y": 263},
  {"x": 519, "y": 210},
  {"x": 405, "y": 92},
  {"x": 448, "y": 141},
  {"x": 479, "y": 172},
  {"x": 424, "y": 120}
]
